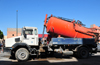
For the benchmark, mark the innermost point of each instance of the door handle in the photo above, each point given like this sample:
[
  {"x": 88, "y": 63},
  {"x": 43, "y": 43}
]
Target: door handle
[{"x": 32, "y": 38}]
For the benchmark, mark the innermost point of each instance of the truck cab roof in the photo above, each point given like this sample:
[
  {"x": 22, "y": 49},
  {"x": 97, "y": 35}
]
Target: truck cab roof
[{"x": 30, "y": 27}]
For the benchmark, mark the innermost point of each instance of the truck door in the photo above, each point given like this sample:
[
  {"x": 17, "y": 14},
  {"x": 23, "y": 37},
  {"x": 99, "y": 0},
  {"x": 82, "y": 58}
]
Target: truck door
[{"x": 31, "y": 37}]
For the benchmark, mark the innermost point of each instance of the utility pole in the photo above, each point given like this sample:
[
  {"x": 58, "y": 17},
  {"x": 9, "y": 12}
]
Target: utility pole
[{"x": 16, "y": 22}]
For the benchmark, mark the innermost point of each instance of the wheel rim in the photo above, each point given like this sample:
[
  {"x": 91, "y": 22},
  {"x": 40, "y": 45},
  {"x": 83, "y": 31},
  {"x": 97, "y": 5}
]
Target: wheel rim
[
  {"x": 83, "y": 53},
  {"x": 22, "y": 55}
]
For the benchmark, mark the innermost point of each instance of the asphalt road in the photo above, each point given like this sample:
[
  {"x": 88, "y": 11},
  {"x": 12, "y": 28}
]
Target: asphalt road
[{"x": 94, "y": 60}]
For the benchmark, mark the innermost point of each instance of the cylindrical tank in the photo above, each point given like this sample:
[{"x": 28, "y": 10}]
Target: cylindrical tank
[{"x": 68, "y": 29}]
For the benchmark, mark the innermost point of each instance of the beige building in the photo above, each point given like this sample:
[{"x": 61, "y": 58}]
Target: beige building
[
  {"x": 11, "y": 32},
  {"x": 5, "y": 37}
]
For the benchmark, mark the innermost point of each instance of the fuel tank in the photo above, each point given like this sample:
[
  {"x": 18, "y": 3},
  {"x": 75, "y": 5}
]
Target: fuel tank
[{"x": 67, "y": 29}]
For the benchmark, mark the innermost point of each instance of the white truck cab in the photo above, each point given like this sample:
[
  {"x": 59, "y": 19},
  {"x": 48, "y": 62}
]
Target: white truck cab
[{"x": 29, "y": 35}]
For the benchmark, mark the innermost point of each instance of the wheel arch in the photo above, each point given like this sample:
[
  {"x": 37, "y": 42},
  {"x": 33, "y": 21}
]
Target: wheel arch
[
  {"x": 86, "y": 46},
  {"x": 20, "y": 45}
]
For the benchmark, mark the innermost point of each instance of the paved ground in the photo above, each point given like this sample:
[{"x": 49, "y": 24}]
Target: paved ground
[{"x": 94, "y": 60}]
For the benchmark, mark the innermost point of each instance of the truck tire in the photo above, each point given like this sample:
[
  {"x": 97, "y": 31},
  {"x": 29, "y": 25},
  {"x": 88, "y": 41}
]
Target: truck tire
[
  {"x": 83, "y": 53},
  {"x": 22, "y": 54}
]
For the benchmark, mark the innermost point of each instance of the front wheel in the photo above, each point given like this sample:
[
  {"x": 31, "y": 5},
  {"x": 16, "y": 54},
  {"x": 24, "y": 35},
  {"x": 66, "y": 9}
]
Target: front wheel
[
  {"x": 22, "y": 54},
  {"x": 83, "y": 53}
]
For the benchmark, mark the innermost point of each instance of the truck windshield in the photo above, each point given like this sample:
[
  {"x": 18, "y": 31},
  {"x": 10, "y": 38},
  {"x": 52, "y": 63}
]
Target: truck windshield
[{"x": 29, "y": 32}]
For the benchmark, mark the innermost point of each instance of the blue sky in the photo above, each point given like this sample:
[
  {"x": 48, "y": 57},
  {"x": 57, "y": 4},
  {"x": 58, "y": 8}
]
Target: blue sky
[{"x": 32, "y": 12}]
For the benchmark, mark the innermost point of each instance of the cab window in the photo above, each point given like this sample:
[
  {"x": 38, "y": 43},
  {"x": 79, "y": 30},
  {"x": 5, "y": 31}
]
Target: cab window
[
  {"x": 35, "y": 31},
  {"x": 29, "y": 32}
]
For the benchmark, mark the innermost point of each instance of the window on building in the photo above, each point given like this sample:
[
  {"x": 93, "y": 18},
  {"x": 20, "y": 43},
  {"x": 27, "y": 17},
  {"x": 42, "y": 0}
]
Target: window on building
[{"x": 12, "y": 34}]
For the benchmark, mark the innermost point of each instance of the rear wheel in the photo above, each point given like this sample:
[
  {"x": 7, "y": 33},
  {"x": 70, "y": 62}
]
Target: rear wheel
[
  {"x": 83, "y": 53},
  {"x": 22, "y": 54}
]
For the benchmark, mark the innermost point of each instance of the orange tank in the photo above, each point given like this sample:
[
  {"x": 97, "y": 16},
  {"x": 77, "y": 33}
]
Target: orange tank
[{"x": 66, "y": 28}]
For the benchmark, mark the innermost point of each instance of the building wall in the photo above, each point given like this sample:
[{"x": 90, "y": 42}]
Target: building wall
[
  {"x": 5, "y": 37},
  {"x": 11, "y": 32}
]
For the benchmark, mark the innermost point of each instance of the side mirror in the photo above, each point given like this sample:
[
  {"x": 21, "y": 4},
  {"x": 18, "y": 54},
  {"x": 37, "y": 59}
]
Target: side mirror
[{"x": 25, "y": 36}]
